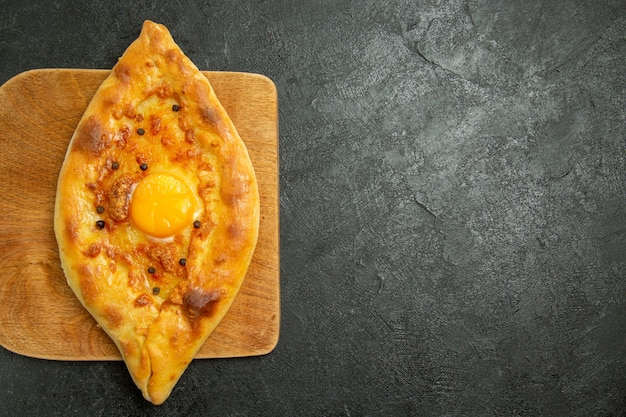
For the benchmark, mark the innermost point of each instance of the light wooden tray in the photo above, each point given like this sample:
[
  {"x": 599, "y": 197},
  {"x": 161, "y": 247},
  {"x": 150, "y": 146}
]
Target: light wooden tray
[{"x": 39, "y": 314}]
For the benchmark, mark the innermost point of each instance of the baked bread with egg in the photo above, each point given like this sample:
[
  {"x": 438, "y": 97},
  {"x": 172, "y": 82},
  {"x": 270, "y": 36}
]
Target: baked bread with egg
[{"x": 157, "y": 210}]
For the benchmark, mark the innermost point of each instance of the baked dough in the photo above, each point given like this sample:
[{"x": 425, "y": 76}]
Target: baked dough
[{"x": 157, "y": 210}]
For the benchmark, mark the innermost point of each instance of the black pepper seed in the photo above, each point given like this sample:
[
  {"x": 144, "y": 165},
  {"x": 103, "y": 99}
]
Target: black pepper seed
[
  {"x": 143, "y": 167},
  {"x": 115, "y": 165},
  {"x": 197, "y": 224},
  {"x": 100, "y": 224},
  {"x": 100, "y": 209},
  {"x": 151, "y": 270},
  {"x": 175, "y": 107},
  {"x": 156, "y": 290},
  {"x": 140, "y": 131},
  {"x": 182, "y": 262}
]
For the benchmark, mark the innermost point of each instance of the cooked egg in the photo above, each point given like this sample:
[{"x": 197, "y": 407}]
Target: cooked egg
[{"x": 162, "y": 205}]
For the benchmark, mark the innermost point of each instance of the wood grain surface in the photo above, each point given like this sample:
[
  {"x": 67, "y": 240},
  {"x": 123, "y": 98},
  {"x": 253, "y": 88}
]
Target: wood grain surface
[{"x": 39, "y": 314}]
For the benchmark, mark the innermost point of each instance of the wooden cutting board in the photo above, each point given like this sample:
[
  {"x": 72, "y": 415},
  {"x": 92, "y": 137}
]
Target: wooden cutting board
[{"x": 39, "y": 314}]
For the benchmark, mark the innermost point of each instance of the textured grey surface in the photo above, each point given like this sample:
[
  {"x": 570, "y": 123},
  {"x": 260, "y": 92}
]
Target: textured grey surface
[{"x": 453, "y": 220}]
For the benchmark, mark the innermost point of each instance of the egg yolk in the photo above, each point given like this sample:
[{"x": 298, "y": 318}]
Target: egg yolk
[{"x": 162, "y": 205}]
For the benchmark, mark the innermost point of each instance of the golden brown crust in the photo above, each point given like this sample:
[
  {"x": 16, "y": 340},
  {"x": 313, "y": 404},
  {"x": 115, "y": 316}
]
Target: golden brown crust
[{"x": 156, "y": 113}]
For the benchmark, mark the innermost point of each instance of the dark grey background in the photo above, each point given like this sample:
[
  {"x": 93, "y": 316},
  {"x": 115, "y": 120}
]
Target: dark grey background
[{"x": 452, "y": 194}]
